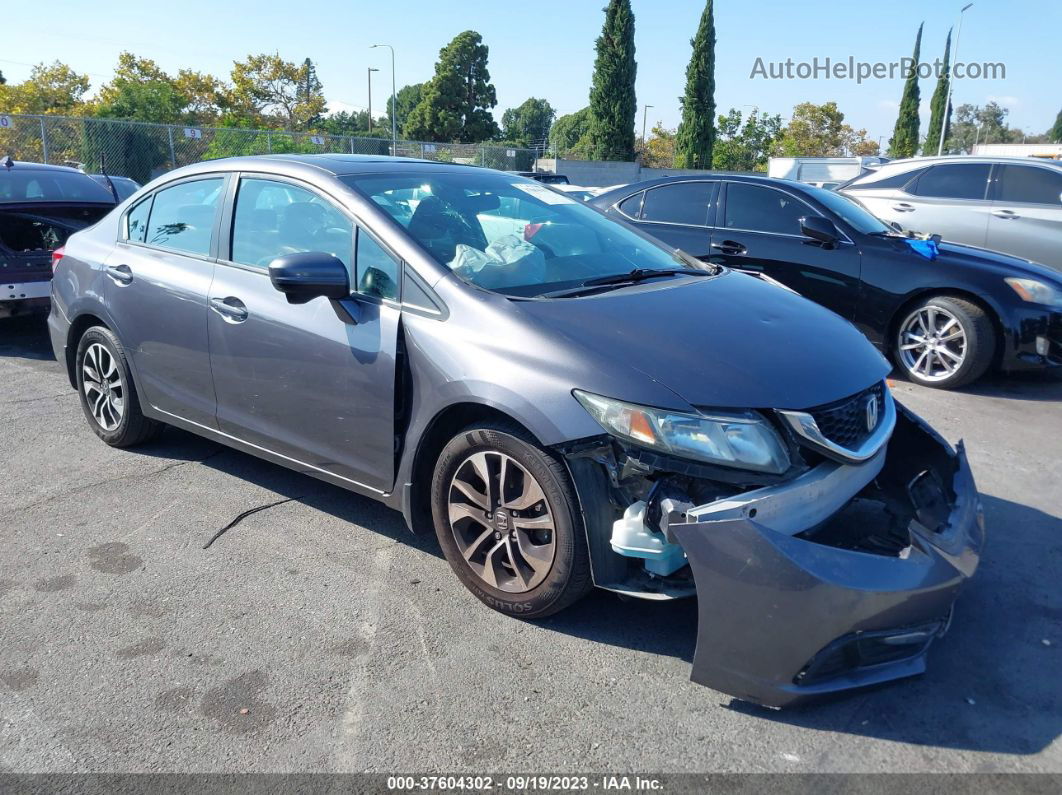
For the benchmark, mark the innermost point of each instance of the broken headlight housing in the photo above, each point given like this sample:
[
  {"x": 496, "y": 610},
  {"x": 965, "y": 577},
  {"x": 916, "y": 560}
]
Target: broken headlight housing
[{"x": 745, "y": 441}]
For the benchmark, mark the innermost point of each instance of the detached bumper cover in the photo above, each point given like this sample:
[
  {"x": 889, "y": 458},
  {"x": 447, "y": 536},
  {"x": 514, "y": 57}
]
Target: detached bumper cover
[{"x": 783, "y": 618}]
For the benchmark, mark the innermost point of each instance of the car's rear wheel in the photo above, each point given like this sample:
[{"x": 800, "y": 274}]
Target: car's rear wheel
[
  {"x": 945, "y": 342},
  {"x": 108, "y": 396},
  {"x": 506, "y": 516}
]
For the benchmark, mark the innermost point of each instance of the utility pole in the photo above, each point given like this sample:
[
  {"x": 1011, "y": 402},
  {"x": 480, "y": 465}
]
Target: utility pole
[
  {"x": 394, "y": 100},
  {"x": 951, "y": 82},
  {"x": 645, "y": 117},
  {"x": 371, "y": 70}
]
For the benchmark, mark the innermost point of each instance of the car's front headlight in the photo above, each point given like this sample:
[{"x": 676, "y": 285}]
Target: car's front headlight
[
  {"x": 739, "y": 440},
  {"x": 1036, "y": 292}
]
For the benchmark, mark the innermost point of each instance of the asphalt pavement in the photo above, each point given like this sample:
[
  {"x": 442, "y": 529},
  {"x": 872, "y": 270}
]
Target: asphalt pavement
[{"x": 318, "y": 634}]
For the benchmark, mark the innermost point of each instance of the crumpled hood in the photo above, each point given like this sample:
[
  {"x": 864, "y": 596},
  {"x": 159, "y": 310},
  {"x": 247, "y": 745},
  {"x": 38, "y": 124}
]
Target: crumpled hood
[{"x": 732, "y": 341}]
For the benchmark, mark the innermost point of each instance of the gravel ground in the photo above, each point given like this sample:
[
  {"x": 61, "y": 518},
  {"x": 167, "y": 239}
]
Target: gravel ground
[{"x": 319, "y": 635}]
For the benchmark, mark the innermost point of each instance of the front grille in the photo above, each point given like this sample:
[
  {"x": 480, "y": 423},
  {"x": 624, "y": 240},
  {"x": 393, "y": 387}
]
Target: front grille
[{"x": 844, "y": 422}]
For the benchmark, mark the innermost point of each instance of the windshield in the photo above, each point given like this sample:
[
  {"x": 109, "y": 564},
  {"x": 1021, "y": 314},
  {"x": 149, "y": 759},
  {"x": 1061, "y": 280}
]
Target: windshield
[
  {"x": 510, "y": 234},
  {"x": 40, "y": 185},
  {"x": 854, "y": 215}
]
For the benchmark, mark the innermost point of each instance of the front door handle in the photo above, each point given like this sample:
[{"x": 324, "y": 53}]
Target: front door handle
[
  {"x": 729, "y": 247},
  {"x": 122, "y": 274},
  {"x": 230, "y": 308},
  {"x": 903, "y": 207},
  {"x": 1005, "y": 214}
]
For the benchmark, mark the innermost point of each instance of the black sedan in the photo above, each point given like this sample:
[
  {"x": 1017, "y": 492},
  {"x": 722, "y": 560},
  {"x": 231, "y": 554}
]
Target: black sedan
[{"x": 946, "y": 313}]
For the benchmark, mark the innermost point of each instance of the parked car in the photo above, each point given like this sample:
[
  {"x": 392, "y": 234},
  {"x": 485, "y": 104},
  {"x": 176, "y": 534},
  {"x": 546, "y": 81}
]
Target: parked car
[
  {"x": 945, "y": 317},
  {"x": 1008, "y": 204},
  {"x": 125, "y": 186},
  {"x": 40, "y": 206},
  {"x": 577, "y": 191},
  {"x": 565, "y": 400},
  {"x": 545, "y": 177}
]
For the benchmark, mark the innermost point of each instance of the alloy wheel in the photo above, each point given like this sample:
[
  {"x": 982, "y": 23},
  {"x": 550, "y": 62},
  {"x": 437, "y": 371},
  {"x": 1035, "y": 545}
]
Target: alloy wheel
[
  {"x": 502, "y": 522},
  {"x": 103, "y": 386},
  {"x": 932, "y": 343}
]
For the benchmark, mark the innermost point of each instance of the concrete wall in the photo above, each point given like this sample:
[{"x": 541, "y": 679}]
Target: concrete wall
[{"x": 602, "y": 173}]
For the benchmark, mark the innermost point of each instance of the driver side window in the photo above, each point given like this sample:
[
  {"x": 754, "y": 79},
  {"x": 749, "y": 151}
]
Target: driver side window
[{"x": 277, "y": 218}]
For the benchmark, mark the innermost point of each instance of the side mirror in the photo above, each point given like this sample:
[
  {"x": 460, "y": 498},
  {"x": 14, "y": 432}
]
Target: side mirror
[
  {"x": 308, "y": 275},
  {"x": 819, "y": 229}
]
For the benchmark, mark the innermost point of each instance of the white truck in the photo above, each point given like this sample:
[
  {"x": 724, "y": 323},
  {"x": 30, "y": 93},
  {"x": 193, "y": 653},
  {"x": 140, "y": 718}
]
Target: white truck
[{"x": 822, "y": 172}]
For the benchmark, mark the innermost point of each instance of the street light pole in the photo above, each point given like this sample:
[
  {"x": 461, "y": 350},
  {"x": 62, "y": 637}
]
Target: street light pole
[
  {"x": 394, "y": 100},
  {"x": 371, "y": 70},
  {"x": 951, "y": 81},
  {"x": 645, "y": 117}
]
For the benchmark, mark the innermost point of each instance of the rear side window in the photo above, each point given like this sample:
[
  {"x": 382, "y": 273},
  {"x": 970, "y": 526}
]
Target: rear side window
[
  {"x": 136, "y": 221},
  {"x": 1030, "y": 185},
  {"x": 678, "y": 203},
  {"x": 758, "y": 209},
  {"x": 885, "y": 183},
  {"x": 44, "y": 185},
  {"x": 276, "y": 218},
  {"x": 953, "y": 181},
  {"x": 182, "y": 217},
  {"x": 632, "y": 205}
]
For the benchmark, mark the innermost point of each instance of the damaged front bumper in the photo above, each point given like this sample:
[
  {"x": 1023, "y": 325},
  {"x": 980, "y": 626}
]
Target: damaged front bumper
[{"x": 837, "y": 579}]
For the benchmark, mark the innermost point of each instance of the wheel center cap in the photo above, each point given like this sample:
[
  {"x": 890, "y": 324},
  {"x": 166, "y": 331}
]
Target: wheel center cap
[{"x": 501, "y": 520}]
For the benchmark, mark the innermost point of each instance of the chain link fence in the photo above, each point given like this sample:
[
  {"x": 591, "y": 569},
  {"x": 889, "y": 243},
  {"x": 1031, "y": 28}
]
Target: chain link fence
[{"x": 142, "y": 151}]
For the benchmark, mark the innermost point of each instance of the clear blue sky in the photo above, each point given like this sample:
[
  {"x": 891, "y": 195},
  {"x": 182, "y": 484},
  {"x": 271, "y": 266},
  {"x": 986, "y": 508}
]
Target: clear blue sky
[{"x": 546, "y": 48}]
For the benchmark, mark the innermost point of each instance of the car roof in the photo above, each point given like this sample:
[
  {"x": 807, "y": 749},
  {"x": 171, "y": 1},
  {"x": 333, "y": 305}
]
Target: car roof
[
  {"x": 28, "y": 165},
  {"x": 336, "y": 164},
  {"x": 914, "y": 162}
]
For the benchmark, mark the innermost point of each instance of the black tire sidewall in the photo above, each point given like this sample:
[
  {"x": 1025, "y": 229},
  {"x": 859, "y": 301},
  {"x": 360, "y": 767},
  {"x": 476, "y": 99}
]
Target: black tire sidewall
[
  {"x": 102, "y": 336},
  {"x": 979, "y": 342},
  {"x": 560, "y": 586}
]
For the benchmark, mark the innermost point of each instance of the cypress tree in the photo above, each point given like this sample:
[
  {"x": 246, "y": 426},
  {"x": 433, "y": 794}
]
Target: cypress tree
[
  {"x": 613, "y": 105},
  {"x": 939, "y": 115},
  {"x": 904, "y": 141},
  {"x": 696, "y": 132},
  {"x": 1056, "y": 132}
]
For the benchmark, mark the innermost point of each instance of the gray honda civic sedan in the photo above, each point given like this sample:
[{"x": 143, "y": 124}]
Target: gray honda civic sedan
[{"x": 567, "y": 402}]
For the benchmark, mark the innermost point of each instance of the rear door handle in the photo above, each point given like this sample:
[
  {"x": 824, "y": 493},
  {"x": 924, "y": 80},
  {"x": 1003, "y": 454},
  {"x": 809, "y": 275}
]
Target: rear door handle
[
  {"x": 903, "y": 207},
  {"x": 729, "y": 247},
  {"x": 122, "y": 274},
  {"x": 230, "y": 308},
  {"x": 1005, "y": 214}
]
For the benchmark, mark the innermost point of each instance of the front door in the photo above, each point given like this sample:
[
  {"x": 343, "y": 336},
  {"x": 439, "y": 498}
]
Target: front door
[
  {"x": 313, "y": 382},
  {"x": 159, "y": 274},
  {"x": 759, "y": 232}
]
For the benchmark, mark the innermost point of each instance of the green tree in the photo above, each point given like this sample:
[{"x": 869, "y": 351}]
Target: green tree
[
  {"x": 408, "y": 98},
  {"x": 658, "y": 151},
  {"x": 528, "y": 124},
  {"x": 53, "y": 88},
  {"x": 696, "y": 132},
  {"x": 613, "y": 104},
  {"x": 904, "y": 141},
  {"x": 277, "y": 92},
  {"x": 820, "y": 131},
  {"x": 745, "y": 146},
  {"x": 1055, "y": 133},
  {"x": 974, "y": 124},
  {"x": 140, "y": 91},
  {"x": 206, "y": 97},
  {"x": 456, "y": 103},
  {"x": 940, "y": 116},
  {"x": 571, "y": 133},
  {"x": 3, "y": 79}
]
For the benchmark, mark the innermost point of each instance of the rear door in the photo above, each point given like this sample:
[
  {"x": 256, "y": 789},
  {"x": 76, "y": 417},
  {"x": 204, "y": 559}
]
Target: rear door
[
  {"x": 313, "y": 382},
  {"x": 1026, "y": 214},
  {"x": 759, "y": 232},
  {"x": 677, "y": 213},
  {"x": 949, "y": 200},
  {"x": 159, "y": 274}
]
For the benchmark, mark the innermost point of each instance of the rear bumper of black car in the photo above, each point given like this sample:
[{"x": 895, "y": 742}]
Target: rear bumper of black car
[{"x": 787, "y": 618}]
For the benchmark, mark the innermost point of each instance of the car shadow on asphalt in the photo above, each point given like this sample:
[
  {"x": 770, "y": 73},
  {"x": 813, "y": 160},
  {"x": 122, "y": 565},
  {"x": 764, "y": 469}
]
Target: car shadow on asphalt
[
  {"x": 1032, "y": 385},
  {"x": 26, "y": 337}
]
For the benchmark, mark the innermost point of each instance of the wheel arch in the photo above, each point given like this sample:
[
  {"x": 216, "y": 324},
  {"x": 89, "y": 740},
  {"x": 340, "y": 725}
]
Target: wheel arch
[
  {"x": 914, "y": 299},
  {"x": 78, "y": 327}
]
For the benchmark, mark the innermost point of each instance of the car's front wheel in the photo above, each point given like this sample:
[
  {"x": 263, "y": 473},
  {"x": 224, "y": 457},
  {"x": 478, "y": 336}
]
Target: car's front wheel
[
  {"x": 105, "y": 386},
  {"x": 945, "y": 342},
  {"x": 507, "y": 520}
]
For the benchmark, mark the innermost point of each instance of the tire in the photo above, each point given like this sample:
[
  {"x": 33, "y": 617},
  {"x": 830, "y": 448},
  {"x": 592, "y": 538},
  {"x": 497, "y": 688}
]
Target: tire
[
  {"x": 108, "y": 396},
  {"x": 507, "y": 569},
  {"x": 956, "y": 351}
]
